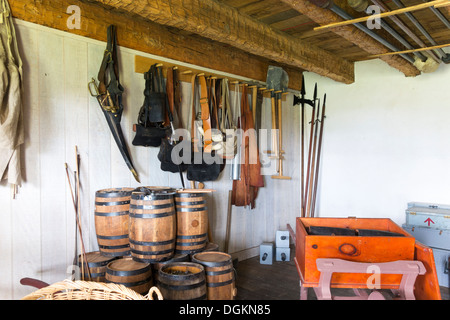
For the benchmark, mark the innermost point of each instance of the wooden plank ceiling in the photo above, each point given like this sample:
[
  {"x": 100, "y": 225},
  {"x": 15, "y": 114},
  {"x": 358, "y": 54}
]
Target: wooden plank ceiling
[
  {"x": 283, "y": 31},
  {"x": 262, "y": 31},
  {"x": 282, "y": 15}
]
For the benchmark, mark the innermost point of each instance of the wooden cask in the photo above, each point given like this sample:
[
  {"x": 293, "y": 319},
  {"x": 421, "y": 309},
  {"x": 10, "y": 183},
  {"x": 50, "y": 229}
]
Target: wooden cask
[
  {"x": 192, "y": 222},
  {"x": 220, "y": 274},
  {"x": 132, "y": 274},
  {"x": 177, "y": 257},
  {"x": 111, "y": 221},
  {"x": 182, "y": 281},
  {"x": 96, "y": 262},
  {"x": 152, "y": 225}
]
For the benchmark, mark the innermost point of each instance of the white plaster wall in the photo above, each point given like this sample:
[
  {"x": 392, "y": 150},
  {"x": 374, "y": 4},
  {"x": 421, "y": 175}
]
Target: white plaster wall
[{"x": 386, "y": 142}]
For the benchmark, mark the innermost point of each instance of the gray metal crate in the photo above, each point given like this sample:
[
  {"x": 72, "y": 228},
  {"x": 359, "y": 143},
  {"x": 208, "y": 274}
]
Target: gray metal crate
[
  {"x": 428, "y": 215},
  {"x": 439, "y": 241},
  {"x": 430, "y": 237},
  {"x": 442, "y": 268}
]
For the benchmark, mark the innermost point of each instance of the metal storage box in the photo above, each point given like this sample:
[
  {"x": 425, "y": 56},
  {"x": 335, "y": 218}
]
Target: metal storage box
[
  {"x": 266, "y": 253},
  {"x": 439, "y": 241},
  {"x": 356, "y": 248},
  {"x": 282, "y": 239},
  {"x": 429, "y": 215},
  {"x": 441, "y": 259},
  {"x": 282, "y": 254},
  {"x": 435, "y": 238}
]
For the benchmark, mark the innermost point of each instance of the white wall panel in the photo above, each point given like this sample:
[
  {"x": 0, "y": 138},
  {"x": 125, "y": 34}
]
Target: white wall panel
[{"x": 38, "y": 227}]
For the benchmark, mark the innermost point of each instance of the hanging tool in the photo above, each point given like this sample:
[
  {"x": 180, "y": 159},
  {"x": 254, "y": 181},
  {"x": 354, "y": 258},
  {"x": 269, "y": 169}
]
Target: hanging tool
[
  {"x": 311, "y": 137},
  {"x": 280, "y": 140},
  {"x": 109, "y": 96},
  {"x": 319, "y": 148},
  {"x": 277, "y": 82},
  {"x": 302, "y": 101},
  {"x": 311, "y": 181}
]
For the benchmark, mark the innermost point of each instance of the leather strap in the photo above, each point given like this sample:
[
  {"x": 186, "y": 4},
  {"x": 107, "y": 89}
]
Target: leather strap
[
  {"x": 114, "y": 89},
  {"x": 226, "y": 108},
  {"x": 194, "y": 136},
  {"x": 204, "y": 116},
  {"x": 110, "y": 96}
]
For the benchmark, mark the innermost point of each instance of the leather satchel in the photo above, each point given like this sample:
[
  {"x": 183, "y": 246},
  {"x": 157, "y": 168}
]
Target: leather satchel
[
  {"x": 201, "y": 171},
  {"x": 150, "y": 128},
  {"x": 167, "y": 153}
]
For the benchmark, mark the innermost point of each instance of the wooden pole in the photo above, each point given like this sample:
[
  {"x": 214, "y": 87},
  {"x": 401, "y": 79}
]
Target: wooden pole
[
  {"x": 310, "y": 144},
  {"x": 409, "y": 51},
  {"x": 438, "y": 3},
  {"x": 77, "y": 204},
  {"x": 316, "y": 179},
  {"x": 311, "y": 181},
  {"x": 229, "y": 211}
]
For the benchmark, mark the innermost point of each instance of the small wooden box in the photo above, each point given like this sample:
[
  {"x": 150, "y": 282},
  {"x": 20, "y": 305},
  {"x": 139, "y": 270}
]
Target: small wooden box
[{"x": 353, "y": 248}]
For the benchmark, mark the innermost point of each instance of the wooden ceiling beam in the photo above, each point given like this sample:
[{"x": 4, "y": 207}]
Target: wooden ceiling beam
[
  {"x": 222, "y": 23},
  {"x": 149, "y": 37},
  {"x": 359, "y": 38}
]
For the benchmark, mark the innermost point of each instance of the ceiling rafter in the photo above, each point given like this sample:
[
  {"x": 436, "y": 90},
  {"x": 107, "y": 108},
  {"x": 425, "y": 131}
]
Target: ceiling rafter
[
  {"x": 359, "y": 38},
  {"x": 222, "y": 23}
]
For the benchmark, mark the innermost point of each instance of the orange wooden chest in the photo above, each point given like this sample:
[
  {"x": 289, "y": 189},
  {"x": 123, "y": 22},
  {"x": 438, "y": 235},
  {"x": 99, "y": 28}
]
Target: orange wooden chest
[{"x": 353, "y": 248}]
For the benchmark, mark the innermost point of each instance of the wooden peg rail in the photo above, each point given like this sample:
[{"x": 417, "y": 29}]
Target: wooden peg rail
[{"x": 143, "y": 64}]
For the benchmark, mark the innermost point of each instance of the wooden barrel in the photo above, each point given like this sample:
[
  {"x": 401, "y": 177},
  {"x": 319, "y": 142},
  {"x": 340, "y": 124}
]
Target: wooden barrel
[
  {"x": 97, "y": 266},
  {"x": 220, "y": 280},
  {"x": 152, "y": 225},
  {"x": 182, "y": 281},
  {"x": 132, "y": 274},
  {"x": 111, "y": 221},
  {"x": 192, "y": 222},
  {"x": 211, "y": 247},
  {"x": 178, "y": 257}
]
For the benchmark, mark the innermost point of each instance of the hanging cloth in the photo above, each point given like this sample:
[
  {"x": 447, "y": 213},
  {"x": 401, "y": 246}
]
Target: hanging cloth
[{"x": 11, "y": 94}]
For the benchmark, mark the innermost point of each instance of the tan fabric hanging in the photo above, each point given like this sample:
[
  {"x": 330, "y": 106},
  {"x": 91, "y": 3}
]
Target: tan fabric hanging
[{"x": 11, "y": 109}]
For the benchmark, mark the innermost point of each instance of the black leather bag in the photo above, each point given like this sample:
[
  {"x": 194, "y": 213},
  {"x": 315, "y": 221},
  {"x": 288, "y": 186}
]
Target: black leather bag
[
  {"x": 166, "y": 156},
  {"x": 149, "y": 136},
  {"x": 150, "y": 129},
  {"x": 203, "y": 171}
]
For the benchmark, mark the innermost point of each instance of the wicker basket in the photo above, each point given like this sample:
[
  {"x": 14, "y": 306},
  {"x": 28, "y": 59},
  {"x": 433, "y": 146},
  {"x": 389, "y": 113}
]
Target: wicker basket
[{"x": 87, "y": 290}]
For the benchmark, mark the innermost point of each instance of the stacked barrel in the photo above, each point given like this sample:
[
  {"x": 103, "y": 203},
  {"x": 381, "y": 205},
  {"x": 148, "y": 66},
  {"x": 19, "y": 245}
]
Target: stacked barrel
[{"x": 158, "y": 236}]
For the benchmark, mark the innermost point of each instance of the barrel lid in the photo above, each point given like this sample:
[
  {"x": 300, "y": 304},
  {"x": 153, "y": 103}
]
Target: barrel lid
[
  {"x": 97, "y": 258},
  {"x": 148, "y": 193},
  {"x": 113, "y": 192},
  {"x": 212, "y": 258},
  {"x": 127, "y": 264}
]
